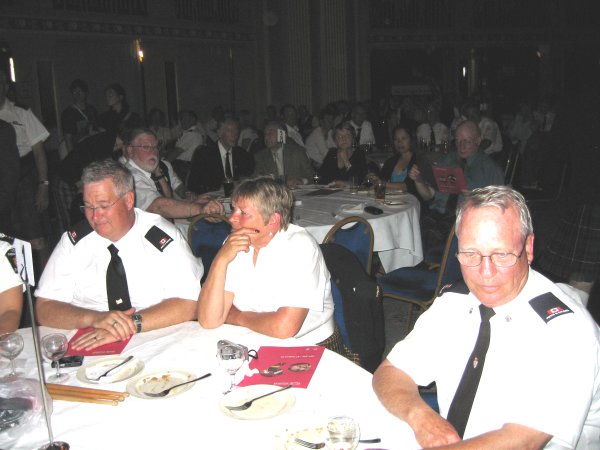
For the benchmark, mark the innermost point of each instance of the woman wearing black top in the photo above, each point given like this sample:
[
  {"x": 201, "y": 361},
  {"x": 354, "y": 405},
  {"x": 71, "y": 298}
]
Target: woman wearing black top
[
  {"x": 395, "y": 170},
  {"x": 345, "y": 162}
]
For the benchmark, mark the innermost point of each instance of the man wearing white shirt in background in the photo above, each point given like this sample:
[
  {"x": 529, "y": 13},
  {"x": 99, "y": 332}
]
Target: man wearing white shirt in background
[
  {"x": 491, "y": 138},
  {"x": 319, "y": 141},
  {"x": 158, "y": 189},
  {"x": 32, "y": 194},
  {"x": 289, "y": 116},
  {"x": 362, "y": 127}
]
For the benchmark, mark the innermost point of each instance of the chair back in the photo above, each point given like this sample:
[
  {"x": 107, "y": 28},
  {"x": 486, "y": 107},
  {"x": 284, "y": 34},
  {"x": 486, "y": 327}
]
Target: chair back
[
  {"x": 358, "y": 306},
  {"x": 449, "y": 266},
  {"x": 355, "y": 234},
  {"x": 206, "y": 237}
]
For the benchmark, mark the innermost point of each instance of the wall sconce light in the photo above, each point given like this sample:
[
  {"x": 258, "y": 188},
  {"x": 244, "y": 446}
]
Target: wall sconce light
[
  {"x": 139, "y": 50},
  {"x": 464, "y": 71},
  {"x": 11, "y": 63}
]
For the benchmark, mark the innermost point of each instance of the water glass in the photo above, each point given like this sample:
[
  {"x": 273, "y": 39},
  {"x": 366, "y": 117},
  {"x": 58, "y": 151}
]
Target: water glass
[
  {"x": 231, "y": 357},
  {"x": 379, "y": 191},
  {"x": 54, "y": 347},
  {"x": 343, "y": 433},
  {"x": 11, "y": 345},
  {"x": 228, "y": 187}
]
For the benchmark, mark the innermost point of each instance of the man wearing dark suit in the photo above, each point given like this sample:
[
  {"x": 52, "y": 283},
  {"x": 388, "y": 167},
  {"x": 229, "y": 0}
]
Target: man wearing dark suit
[
  {"x": 278, "y": 159},
  {"x": 220, "y": 160},
  {"x": 9, "y": 175}
]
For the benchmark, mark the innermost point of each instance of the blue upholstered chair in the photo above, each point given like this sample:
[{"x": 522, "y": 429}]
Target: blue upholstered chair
[
  {"x": 420, "y": 285},
  {"x": 355, "y": 234},
  {"x": 206, "y": 237}
]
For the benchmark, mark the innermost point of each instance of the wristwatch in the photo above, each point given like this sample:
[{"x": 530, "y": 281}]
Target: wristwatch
[{"x": 137, "y": 320}]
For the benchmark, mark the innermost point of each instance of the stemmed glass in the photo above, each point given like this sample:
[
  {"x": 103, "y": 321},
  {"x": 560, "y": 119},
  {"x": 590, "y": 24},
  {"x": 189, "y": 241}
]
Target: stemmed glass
[
  {"x": 54, "y": 347},
  {"x": 342, "y": 433},
  {"x": 231, "y": 357},
  {"x": 11, "y": 344}
]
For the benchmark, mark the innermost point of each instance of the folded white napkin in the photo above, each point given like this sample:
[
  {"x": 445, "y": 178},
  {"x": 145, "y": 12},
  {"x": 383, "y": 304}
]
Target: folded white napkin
[
  {"x": 93, "y": 372},
  {"x": 352, "y": 209}
]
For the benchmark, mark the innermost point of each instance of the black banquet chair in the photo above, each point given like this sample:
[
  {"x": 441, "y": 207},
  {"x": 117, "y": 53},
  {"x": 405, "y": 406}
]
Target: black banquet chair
[{"x": 420, "y": 285}]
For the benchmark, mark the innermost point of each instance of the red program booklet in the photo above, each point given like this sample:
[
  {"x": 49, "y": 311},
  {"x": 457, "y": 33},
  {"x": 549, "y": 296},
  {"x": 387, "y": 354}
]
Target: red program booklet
[
  {"x": 113, "y": 348},
  {"x": 450, "y": 179},
  {"x": 281, "y": 366}
]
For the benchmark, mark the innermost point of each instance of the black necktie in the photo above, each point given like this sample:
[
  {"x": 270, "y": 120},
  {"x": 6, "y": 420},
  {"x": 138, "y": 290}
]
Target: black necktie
[
  {"x": 358, "y": 130},
  {"x": 116, "y": 282},
  {"x": 460, "y": 409},
  {"x": 432, "y": 137},
  {"x": 228, "y": 173}
]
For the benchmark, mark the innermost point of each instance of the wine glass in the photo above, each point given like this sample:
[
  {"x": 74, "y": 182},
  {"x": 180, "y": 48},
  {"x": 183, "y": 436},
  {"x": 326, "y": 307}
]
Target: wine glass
[
  {"x": 231, "y": 357},
  {"x": 342, "y": 433},
  {"x": 54, "y": 347},
  {"x": 316, "y": 178},
  {"x": 11, "y": 344}
]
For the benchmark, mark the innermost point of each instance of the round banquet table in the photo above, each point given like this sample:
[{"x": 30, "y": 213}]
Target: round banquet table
[
  {"x": 193, "y": 419},
  {"x": 397, "y": 231}
]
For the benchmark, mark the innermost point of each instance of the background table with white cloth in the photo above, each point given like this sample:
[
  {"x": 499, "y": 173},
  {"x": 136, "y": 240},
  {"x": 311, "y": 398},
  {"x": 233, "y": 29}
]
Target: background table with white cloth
[
  {"x": 397, "y": 231},
  {"x": 193, "y": 419}
]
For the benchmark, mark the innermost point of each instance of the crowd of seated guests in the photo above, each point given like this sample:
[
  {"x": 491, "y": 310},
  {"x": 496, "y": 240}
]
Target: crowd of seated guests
[{"x": 196, "y": 154}]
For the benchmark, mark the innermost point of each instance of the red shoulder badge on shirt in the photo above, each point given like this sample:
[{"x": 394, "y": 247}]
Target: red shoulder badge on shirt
[
  {"x": 549, "y": 307},
  {"x": 158, "y": 238},
  {"x": 80, "y": 230}
]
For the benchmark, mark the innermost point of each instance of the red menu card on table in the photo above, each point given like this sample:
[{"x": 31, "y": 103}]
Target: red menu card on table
[
  {"x": 114, "y": 348},
  {"x": 285, "y": 365}
]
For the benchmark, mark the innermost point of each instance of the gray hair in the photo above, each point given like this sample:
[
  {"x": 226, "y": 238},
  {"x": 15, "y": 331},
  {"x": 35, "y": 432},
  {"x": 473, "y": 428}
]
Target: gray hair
[
  {"x": 269, "y": 196},
  {"x": 502, "y": 197},
  {"x": 344, "y": 126},
  {"x": 131, "y": 135},
  {"x": 109, "y": 169}
]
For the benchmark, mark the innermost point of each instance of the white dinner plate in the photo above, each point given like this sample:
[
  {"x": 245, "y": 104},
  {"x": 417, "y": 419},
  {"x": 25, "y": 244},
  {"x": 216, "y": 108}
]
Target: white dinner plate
[
  {"x": 99, "y": 366},
  {"x": 395, "y": 203},
  {"x": 263, "y": 408},
  {"x": 286, "y": 439},
  {"x": 158, "y": 382}
]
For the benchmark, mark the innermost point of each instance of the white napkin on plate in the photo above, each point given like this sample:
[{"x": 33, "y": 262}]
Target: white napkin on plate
[{"x": 351, "y": 209}]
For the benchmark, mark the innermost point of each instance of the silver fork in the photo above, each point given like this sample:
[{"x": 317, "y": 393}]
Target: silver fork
[
  {"x": 125, "y": 361},
  {"x": 165, "y": 392},
  {"x": 307, "y": 444},
  {"x": 248, "y": 404}
]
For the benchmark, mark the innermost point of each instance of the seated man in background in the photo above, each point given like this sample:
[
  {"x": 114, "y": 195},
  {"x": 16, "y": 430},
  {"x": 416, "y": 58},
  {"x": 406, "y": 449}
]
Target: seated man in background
[
  {"x": 120, "y": 272},
  {"x": 158, "y": 189},
  {"x": 515, "y": 359},
  {"x": 319, "y": 141},
  {"x": 219, "y": 160},
  {"x": 11, "y": 287},
  {"x": 479, "y": 171},
  {"x": 269, "y": 275},
  {"x": 282, "y": 159}
]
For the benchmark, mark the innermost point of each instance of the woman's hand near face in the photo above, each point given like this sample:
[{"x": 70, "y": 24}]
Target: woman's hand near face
[{"x": 236, "y": 242}]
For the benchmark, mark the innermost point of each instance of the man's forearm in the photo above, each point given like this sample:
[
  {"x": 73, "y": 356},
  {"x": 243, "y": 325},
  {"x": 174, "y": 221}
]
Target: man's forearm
[
  {"x": 41, "y": 163},
  {"x": 53, "y": 313},
  {"x": 171, "y": 208},
  {"x": 509, "y": 437},
  {"x": 168, "y": 312}
]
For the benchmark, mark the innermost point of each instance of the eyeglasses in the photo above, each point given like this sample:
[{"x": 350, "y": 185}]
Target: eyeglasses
[
  {"x": 146, "y": 147},
  {"x": 500, "y": 259},
  {"x": 466, "y": 142},
  {"x": 101, "y": 208}
]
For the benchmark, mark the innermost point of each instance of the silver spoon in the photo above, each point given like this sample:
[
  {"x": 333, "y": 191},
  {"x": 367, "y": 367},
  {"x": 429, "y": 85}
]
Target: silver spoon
[{"x": 165, "y": 392}]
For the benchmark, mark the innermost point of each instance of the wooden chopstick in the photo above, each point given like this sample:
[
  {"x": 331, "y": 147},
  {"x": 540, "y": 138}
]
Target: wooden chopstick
[
  {"x": 86, "y": 395},
  {"x": 70, "y": 398}
]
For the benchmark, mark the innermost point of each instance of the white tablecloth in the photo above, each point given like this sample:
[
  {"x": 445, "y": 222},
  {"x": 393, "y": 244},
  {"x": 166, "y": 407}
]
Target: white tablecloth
[
  {"x": 192, "y": 419},
  {"x": 397, "y": 231}
]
